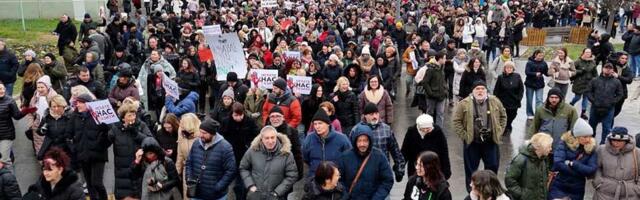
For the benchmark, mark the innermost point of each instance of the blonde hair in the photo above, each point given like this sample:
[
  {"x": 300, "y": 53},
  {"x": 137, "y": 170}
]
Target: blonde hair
[
  {"x": 189, "y": 122},
  {"x": 58, "y": 100},
  {"x": 339, "y": 82},
  {"x": 33, "y": 73},
  {"x": 79, "y": 90},
  {"x": 541, "y": 140},
  {"x": 509, "y": 64},
  {"x": 127, "y": 108},
  {"x": 131, "y": 101}
]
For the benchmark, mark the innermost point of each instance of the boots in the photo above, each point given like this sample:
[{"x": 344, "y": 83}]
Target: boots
[{"x": 583, "y": 115}]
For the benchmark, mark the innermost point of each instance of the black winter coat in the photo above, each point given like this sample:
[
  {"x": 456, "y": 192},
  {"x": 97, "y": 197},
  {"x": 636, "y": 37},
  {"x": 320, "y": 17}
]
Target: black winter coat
[
  {"x": 9, "y": 189},
  {"x": 509, "y": 90},
  {"x": 55, "y": 132},
  {"x": 347, "y": 109},
  {"x": 467, "y": 80},
  {"x": 313, "y": 191},
  {"x": 90, "y": 140},
  {"x": 67, "y": 33},
  {"x": 67, "y": 189},
  {"x": 296, "y": 147},
  {"x": 239, "y": 90},
  {"x": 9, "y": 111},
  {"x": 155, "y": 95},
  {"x": 8, "y": 66},
  {"x": 168, "y": 141},
  {"x": 239, "y": 134},
  {"x": 310, "y": 105},
  {"x": 126, "y": 141},
  {"x": 188, "y": 81},
  {"x": 435, "y": 141},
  {"x": 604, "y": 92}
]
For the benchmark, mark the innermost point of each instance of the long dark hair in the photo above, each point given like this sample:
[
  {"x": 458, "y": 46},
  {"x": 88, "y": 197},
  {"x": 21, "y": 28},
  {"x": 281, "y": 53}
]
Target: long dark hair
[{"x": 431, "y": 166}]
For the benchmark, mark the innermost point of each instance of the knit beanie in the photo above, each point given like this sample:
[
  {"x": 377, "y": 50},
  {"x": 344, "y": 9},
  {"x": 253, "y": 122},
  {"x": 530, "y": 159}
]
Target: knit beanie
[
  {"x": 276, "y": 109},
  {"x": 370, "y": 108},
  {"x": 210, "y": 126},
  {"x": 280, "y": 83},
  {"x": 619, "y": 133},
  {"x": 229, "y": 93},
  {"x": 321, "y": 115},
  {"x": 581, "y": 128},
  {"x": 424, "y": 121},
  {"x": 85, "y": 98}
]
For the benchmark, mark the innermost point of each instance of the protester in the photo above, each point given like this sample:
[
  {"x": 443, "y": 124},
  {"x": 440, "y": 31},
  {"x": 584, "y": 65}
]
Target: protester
[
  {"x": 268, "y": 169},
  {"x": 460, "y": 63},
  {"x": 158, "y": 175},
  {"x": 574, "y": 160},
  {"x": 253, "y": 105},
  {"x": 276, "y": 119},
  {"x": 562, "y": 68},
  {"x": 30, "y": 82},
  {"x": 125, "y": 87},
  {"x": 435, "y": 91},
  {"x": 312, "y": 102},
  {"x": 44, "y": 93},
  {"x": 323, "y": 144},
  {"x": 496, "y": 68},
  {"x": 509, "y": 90},
  {"x": 473, "y": 71},
  {"x": 189, "y": 132},
  {"x": 167, "y": 136},
  {"x": 527, "y": 174},
  {"x": 622, "y": 72},
  {"x": 585, "y": 72},
  {"x": 375, "y": 93},
  {"x": 485, "y": 186},
  {"x": 58, "y": 180},
  {"x": 7, "y": 130},
  {"x": 282, "y": 97},
  {"x": 210, "y": 165},
  {"x": 555, "y": 117},
  {"x": 534, "y": 81},
  {"x": 151, "y": 66},
  {"x": 346, "y": 104},
  {"x": 66, "y": 31},
  {"x": 429, "y": 181},
  {"x": 84, "y": 78},
  {"x": 127, "y": 137},
  {"x": 479, "y": 120},
  {"x": 364, "y": 168},
  {"x": 616, "y": 168},
  {"x": 604, "y": 92},
  {"x": 8, "y": 183},
  {"x": 425, "y": 136},
  {"x": 184, "y": 106},
  {"x": 325, "y": 184}
]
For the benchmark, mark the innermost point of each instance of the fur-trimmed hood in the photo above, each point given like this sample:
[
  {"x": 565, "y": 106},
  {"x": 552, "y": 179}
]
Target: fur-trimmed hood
[
  {"x": 284, "y": 144},
  {"x": 572, "y": 143}
]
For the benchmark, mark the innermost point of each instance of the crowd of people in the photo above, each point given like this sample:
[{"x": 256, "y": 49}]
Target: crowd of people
[{"x": 231, "y": 136}]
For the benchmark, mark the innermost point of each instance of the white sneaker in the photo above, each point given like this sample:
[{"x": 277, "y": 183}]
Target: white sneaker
[{"x": 530, "y": 117}]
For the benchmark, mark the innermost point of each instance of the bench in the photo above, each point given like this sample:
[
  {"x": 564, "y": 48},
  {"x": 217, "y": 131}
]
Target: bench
[{"x": 563, "y": 32}]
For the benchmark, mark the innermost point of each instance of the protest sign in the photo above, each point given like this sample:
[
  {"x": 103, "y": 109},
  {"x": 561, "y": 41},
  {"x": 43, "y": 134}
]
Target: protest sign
[
  {"x": 291, "y": 55},
  {"x": 171, "y": 87},
  {"x": 300, "y": 84},
  {"x": 264, "y": 78},
  {"x": 229, "y": 55},
  {"x": 102, "y": 112},
  {"x": 288, "y": 5},
  {"x": 414, "y": 62},
  {"x": 212, "y": 30},
  {"x": 269, "y": 4}
]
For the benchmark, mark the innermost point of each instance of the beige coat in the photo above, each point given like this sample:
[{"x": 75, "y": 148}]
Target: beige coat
[{"x": 562, "y": 71}]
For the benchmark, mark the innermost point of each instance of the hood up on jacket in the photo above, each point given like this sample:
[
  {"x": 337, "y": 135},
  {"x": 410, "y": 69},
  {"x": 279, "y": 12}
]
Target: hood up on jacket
[
  {"x": 359, "y": 130},
  {"x": 557, "y": 92},
  {"x": 151, "y": 144},
  {"x": 631, "y": 144},
  {"x": 284, "y": 144}
]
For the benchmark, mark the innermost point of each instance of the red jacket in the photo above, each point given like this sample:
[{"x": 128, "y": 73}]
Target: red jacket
[{"x": 290, "y": 107}]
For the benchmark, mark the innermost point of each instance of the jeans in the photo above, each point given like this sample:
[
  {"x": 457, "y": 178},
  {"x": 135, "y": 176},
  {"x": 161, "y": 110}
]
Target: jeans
[
  {"x": 93, "y": 174},
  {"x": 530, "y": 92},
  {"x": 410, "y": 85},
  {"x": 635, "y": 65},
  {"x": 435, "y": 108},
  {"x": 488, "y": 152},
  {"x": 239, "y": 190},
  {"x": 491, "y": 55},
  {"x": 5, "y": 150},
  {"x": 622, "y": 27},
  {"x": 606, "y": 119},
  {"x": 585, "y": 101},
  {"x": 8, "y": 90}
]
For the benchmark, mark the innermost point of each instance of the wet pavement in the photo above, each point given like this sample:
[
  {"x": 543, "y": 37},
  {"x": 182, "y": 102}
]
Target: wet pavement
[{"x": 27, "y": 168}]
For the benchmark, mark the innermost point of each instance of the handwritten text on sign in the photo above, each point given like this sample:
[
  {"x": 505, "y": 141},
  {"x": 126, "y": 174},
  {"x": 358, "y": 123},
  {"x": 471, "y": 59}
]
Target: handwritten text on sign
[
  {"x": 229, "y": 55},
  {"x": 300, "y": 84},
  {"x": 264, "y": 78},
  {"x": 269, "y": 4},
  {"x": 171, "y": 87},
  {"x": 102, "y": 112}
]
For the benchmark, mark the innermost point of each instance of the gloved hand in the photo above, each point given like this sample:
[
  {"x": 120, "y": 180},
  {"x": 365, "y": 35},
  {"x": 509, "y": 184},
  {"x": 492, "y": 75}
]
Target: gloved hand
[
  {"x": 28, "y": 110},
  {"x": 399, "y": 173}
]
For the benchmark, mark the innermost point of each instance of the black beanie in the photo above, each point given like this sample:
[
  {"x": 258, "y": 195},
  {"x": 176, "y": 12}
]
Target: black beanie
[
  {"x": 232, "y": 76},
  {"x": 210, "y": 126},
  {"x": 50, "y": 55},
  {"x": 479, "y": 83},
  {"x": 87, "y": 16},
  {"x": 276, "y": 109},
  {"x": 321, "y": 115},
  {"x": 370, "y": 108},
  {"x": 280, "y": 83},
  {"x": 555, "y": 91}
]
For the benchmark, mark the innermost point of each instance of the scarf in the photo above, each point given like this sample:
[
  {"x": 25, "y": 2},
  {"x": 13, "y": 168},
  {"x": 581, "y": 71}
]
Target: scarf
[
  {"x": 504, "y": 58},
  {"x": 374, "y": 96}
]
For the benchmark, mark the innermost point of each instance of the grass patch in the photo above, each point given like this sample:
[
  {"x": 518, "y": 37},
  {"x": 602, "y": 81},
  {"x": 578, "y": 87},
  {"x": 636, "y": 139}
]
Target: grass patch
[
  {"x": 38, "y": 31},
  {"x": 574, "y": 50}
]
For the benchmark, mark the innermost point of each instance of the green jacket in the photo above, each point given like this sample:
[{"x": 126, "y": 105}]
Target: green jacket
[
  {"x": 434, "y": 83},
  {"x": 545, "y": 121},
  {"x": 526, "y": 177},
  {"x": 585, "y": 72},
  {"x": 253, "y": 106},
  {"x": 463, "y": 119},
  {"x": 58, "y": 74}
]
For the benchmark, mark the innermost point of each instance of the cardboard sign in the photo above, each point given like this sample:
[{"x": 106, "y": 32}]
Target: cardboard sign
[
  {"x": 264, "y": 78},
  {"x": 300, "y": 84},
  {"x": 102, "y": 112},
  {"x": 414, "y": 61},
  {"x": 291, "y": 55},
  {"x": 288, "y": 5},
  {"x": 171, "y": 87},
  {"x": 212, "y": 30},
  {"x": 229, "y": 55},
  {"x": 269, "y": 4}
]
